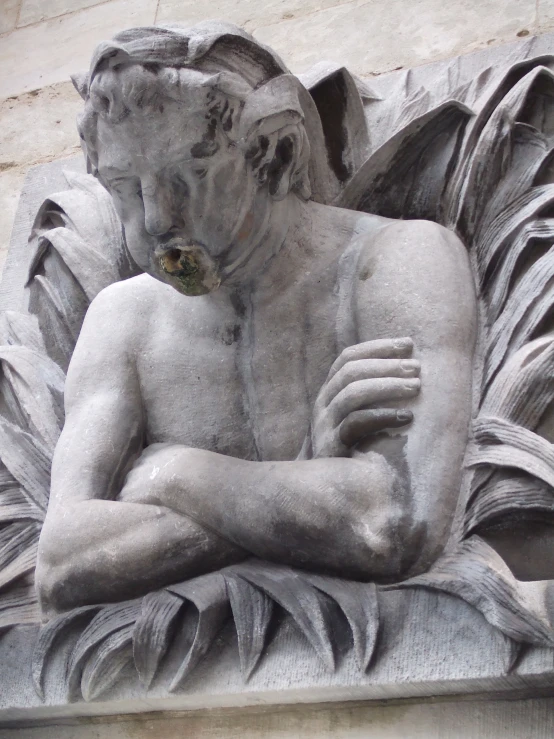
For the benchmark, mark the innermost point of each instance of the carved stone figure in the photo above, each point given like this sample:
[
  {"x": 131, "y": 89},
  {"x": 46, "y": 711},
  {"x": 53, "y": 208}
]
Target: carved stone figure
[
  {"x": 316, "y": 366},
  {"x": 251, "y": 399}
]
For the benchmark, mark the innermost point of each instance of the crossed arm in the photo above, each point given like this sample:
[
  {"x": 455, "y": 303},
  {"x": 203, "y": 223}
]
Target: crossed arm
[
  {"x": 120, "y": 524},
  {"x": 177, "y": 512}
]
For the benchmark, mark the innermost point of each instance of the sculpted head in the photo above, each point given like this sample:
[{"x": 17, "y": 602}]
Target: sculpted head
[{"x": 196, "y": 133}]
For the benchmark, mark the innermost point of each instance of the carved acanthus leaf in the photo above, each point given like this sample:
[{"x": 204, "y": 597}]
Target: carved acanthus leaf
[{"x": 478, "y": 575}]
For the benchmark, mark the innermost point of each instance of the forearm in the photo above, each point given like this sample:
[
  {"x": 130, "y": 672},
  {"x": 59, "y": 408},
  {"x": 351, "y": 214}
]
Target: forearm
[
  {"x": 97, "y": 551},
  {"x": 334, "y": 514}
]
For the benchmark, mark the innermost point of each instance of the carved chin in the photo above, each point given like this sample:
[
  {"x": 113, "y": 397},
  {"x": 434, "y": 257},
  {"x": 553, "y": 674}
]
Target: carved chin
[{"x": 187, "y": 268}]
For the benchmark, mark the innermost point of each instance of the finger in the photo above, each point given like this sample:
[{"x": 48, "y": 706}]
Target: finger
[
  {"x": 360, "y": 424},
  {"x": 377, "y": 349},
  {"x": 366, "y": 369},
  {"x": 365, "y": 393}
]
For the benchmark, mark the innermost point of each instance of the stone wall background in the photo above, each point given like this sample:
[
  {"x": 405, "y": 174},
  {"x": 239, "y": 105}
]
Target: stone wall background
[{"x": 43, "y": 41}]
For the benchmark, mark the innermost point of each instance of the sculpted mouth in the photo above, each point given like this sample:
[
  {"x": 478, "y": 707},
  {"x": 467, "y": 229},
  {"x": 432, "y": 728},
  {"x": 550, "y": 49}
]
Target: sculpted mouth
[{"x": 189, "y": 268}]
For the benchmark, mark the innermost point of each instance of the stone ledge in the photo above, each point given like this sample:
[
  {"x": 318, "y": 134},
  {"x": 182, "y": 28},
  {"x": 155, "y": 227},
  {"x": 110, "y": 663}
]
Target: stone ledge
[
  {"x": 429, "y": 645},
  {"x": 354, "y": 720}
]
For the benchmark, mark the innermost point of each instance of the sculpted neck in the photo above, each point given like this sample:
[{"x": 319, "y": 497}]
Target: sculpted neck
[{"x": 267, "y": 229}]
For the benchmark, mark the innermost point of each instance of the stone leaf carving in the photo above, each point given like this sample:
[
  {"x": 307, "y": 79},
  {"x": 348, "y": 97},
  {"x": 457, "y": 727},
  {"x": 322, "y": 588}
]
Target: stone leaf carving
[{"x": 476, "y": 159}]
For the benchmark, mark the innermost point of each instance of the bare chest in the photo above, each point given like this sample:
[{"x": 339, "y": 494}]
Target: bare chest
[{"x": 239, "y": 379}]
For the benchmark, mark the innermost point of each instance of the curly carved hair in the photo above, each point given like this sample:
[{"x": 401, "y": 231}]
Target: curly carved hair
[{"x": 245, "y": 86}]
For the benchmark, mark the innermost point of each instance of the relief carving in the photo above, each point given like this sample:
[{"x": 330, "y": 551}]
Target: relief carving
[{"x": 314, "y": 365}]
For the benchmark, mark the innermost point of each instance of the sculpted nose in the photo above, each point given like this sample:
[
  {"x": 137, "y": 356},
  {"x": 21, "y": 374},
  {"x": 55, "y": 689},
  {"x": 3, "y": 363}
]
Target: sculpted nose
[{"x": 158, "y": 218}]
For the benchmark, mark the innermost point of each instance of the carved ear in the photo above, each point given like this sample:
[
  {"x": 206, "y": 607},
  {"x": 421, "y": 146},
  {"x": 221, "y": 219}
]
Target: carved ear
[
  {"x": 80, "y": 83},
  {"x": 276, "y": 158},
  {"x": 272, "y": 132},
  {"x": 283, "y": 174}
]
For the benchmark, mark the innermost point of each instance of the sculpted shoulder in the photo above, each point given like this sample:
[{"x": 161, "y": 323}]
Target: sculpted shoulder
[
  {"x": 116, "y": 327},
  {"x": 418, "y": 246},
  {"x": 415, "y": 278},
  {"x": 123, "y": 311},
  {"x": 411, "y": 236}
]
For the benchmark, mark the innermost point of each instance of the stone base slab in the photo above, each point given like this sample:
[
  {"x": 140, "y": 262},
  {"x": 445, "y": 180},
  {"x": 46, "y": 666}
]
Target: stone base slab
[{"x": 430, "y": 645}]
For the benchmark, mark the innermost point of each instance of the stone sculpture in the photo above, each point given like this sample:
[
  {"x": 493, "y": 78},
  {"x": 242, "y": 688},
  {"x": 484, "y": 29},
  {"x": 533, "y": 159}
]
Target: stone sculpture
[
  {"x": 208, "y": 165},
  {"x": 339, "y": 377}
]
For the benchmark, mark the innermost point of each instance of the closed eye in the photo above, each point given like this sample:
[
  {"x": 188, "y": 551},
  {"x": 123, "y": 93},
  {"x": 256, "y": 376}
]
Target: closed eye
[
  {"x": 200, "y": 172},
  {"x": 182, "y": 182},
  {"x": 126, "y": 186}
]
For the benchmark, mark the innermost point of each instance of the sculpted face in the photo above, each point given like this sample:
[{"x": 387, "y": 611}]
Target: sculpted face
[{"x": 183, "y": 191}]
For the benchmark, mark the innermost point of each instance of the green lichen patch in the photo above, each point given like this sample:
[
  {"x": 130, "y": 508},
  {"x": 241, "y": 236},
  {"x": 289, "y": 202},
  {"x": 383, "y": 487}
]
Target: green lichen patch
[{"x": 186, "y": 269}]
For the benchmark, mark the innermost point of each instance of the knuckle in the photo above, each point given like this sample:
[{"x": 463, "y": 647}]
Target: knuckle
[
  {"x": 337, "y": 407},
  {"x": 349, "y": 354},
  {"x": 378, "y": 384},
  {"x": 348, "y": 393},
  {"x": 336, "y": 366},
  {"x": 335, "y": 382},
  {"x": 345, "y": 432},
  {"x": 348, "y": 374}
]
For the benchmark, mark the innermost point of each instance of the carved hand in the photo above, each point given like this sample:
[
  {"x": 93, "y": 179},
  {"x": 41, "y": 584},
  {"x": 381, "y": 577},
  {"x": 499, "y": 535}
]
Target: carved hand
[{"x": 364, "y": 378}]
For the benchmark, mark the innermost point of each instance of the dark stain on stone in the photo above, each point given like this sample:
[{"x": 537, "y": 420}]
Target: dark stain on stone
[
  {"x": 208, "y": 146},
  {"x": 367, "y": 271},
  {"x": 258, "y": 151},
  {"x": 152, "y": 67},
  {"x": 283, "y": 157},
  {"x": 231, "y": 334},
  {"x": 238, "y": 304},
  {"x": 330, "y": 99}
]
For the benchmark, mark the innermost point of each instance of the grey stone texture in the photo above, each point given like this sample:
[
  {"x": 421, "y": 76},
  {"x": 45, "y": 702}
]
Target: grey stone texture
[
  {"x": 70, "y": 39},
  {"x": 545, "y": 13},
  {"x": 11, "y": 182},
  {"x": 8, "y": 15},
  {"x": 532, "y": 719},
  {"x": 36, "y": 127},
  {"x": 430, "y": 646},
  {"x": 382, "y": 36},
  {"x": 35, "y": 11},
  {"x": 248, "y": 14}
]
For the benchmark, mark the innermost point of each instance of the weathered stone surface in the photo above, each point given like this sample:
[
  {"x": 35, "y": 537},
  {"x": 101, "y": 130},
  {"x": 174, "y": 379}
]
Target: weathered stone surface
[
  {"x": 37, "y": 183},
  {"x": 247, "y": 13},
  {"x": 39, "y": 126},
  {"x": 8, "y": 15},
  {"x": 11, "y": 181},
  {"x": 29, "y": 63},
  {"x": 34, "y": 11},
  {"x": 202, "y": 233},
  {"x": 253, "y": 15},
  {"x": 380, "y": 36},
  {"x": 532, "y": 719},
  {"x": 545, "y": 14},
  {"x": 36, "y": 127}
]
